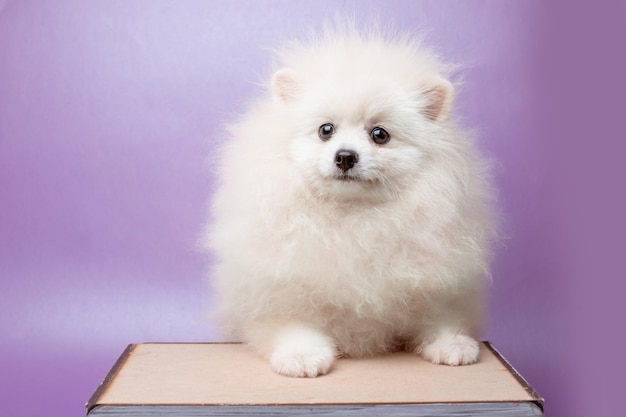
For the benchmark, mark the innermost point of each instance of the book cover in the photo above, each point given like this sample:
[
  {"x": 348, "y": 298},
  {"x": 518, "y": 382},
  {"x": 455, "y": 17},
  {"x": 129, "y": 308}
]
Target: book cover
[{"x": 221, "y": 379}]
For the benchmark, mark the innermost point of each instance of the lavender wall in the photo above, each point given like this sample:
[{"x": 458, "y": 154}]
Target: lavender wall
[{"x": 109, "y": 110}]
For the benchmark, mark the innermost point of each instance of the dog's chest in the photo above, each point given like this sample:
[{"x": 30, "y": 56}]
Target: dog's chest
[{"x": 369, "y": 245}]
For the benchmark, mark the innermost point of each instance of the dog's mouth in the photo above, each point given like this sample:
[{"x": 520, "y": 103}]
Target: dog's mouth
[
  {"x": 346, "y": 177},
  {"x": 353, "y": 179}
]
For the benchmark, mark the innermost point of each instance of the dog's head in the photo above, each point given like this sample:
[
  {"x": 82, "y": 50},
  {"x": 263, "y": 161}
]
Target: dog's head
[{"x": 365, "y": 116}]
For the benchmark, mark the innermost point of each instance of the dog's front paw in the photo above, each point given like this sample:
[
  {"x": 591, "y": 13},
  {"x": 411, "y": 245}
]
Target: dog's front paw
[
  {"x": 302, "y": 352},
  {"x": 451, "y": 349}
]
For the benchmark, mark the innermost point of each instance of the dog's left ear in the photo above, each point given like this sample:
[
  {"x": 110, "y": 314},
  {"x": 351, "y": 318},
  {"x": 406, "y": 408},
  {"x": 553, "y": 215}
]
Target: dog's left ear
[
  {"x": 439, "y": 99},
  {"x": 285, "y": 85}
]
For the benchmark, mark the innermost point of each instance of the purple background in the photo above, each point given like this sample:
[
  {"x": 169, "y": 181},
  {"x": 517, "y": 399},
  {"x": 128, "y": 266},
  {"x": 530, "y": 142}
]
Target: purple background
[{"x": 109, "y": 111}]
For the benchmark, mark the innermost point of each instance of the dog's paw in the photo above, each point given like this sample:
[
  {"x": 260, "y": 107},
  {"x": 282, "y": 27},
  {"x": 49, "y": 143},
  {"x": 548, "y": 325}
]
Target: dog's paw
[
  {"x": 451, "y": 349},
  {"x": 302, "y": 352}
]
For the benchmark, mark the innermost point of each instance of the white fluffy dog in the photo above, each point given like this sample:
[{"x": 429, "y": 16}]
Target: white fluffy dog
[{"x": 353, "y": 217}]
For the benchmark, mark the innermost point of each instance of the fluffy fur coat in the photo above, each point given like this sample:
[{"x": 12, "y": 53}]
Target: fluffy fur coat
[{"x": 386, "y": 247}]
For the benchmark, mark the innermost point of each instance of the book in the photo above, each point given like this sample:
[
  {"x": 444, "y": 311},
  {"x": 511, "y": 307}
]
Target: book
[{"x": 228, "y": 379}]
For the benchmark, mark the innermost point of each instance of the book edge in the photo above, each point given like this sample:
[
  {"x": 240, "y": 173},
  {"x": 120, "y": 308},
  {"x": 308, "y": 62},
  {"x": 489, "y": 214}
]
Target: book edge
[
  {"x": 495, "y": 408},
  {"x": 104, "y": 385},
  {"x": 537, "y": 399}
]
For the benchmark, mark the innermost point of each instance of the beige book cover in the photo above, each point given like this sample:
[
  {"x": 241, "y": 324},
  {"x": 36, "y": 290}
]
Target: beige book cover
[{"x": 216, "y": 379}]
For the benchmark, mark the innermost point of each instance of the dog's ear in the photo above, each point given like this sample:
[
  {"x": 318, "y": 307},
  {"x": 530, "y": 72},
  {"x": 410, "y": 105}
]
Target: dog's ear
[
  {"x": 439, "y": 99},
  {"x": 285, "y": 85}
]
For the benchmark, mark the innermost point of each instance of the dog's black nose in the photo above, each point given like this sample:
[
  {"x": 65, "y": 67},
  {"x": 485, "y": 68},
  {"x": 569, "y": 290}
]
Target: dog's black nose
[{"x": 346, "y": 159}]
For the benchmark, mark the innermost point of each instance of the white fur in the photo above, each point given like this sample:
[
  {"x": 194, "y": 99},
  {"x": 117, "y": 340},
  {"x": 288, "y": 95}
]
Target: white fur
[
  {"x": 309, "y": 266},
  {"x": 302, "y": 351}
]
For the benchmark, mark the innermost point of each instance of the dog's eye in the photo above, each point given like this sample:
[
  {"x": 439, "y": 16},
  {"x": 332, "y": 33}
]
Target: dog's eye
[
  {"x": 326, "y": 131},
  {"x": 379, "y": 135}
]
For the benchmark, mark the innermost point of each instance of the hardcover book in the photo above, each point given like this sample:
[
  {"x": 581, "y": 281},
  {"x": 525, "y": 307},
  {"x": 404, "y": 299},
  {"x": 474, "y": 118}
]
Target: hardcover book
[{"x": 221, "y": 379}]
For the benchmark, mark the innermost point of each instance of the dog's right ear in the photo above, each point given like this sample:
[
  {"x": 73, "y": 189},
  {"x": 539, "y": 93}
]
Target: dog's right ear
[{"x": 285, "y": 85}]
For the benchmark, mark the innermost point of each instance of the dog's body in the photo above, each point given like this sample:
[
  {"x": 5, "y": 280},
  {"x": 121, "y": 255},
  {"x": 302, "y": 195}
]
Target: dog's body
[{"x": 353, "y": 216}]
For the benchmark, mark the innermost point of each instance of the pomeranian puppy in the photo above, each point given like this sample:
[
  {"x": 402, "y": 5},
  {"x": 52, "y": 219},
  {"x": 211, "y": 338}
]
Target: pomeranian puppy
[{"x": 352, "y": 215}]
